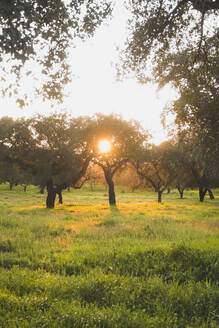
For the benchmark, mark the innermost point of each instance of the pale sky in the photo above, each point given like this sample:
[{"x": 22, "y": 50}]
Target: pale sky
[{"x": 94, "y": 88}]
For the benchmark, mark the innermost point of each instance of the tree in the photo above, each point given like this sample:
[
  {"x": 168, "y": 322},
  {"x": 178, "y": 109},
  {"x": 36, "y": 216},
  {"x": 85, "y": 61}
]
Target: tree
[
  {"x": 40, "y": 33},
  {"x": 124, "y": 138},
  {"x": 94, "y": 175},
  {"x": 62, "y": 153},
  {"x": 128, "y": 177},
  {"x": 9, "y": 172},
  {"x": 197, "y": 161},
  {"x": 53, "y": 149},
  {"x": 16, "y": 146},
  {"x": 196, "y": 114},
  {"x": 162, "y": 28},
  {"x": 155, "y": 167}
]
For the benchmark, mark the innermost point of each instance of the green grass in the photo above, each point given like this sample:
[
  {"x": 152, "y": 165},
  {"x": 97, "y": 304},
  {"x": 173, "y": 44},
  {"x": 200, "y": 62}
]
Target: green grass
[{"x": 82, "y": 264}]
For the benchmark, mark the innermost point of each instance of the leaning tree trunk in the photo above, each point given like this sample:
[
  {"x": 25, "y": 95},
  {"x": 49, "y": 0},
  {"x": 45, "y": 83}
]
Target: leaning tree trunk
[
  {"x": 51, "y": 195},
  {"x": 59, "y": 192},
  {"x": 211, "y": 195},
  {"x": 109, "y": 180}
]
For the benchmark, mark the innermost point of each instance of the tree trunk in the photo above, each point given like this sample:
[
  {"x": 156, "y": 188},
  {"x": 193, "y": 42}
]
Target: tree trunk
[
  {"x": 25, "y": 188},
  {"x": 112, "y": 196},
  {"x": 202, "y": 192},
  {"x": 51, "y": 195},
  {"x": 211, "y": 195},
  {"x": 159, "y": 196},
  {"x": 11, "y": 185},
  {"x": 42, "y": 187},
  {"x": 168, "y": 190},
  {"x": 180, "y": 190},
  {"x": 60, "y": 197}
]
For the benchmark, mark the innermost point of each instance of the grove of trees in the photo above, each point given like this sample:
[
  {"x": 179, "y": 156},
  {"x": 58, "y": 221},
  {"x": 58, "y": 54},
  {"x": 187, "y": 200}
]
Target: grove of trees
[
  {"x": 169, "y": 42},
  {"x": 59, "y": 151}
]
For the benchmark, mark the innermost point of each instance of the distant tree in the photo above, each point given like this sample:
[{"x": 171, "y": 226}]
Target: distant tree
[
  {"x": 94, "y": 175},
  {"x": 155, "y": 167},
  {"x": 41, "y": 33},
  {"x": 9, "y": 172},
  {"x": 124, "y": 137},
  {"x": 25, "y": 178},
  {"x": 128, "y": 177},
  {"x": 198, "y": 162}
]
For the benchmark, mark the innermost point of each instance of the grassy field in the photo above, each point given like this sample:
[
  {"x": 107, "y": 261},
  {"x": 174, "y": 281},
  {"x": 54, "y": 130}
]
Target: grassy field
[{"x": 83, "y": 264}]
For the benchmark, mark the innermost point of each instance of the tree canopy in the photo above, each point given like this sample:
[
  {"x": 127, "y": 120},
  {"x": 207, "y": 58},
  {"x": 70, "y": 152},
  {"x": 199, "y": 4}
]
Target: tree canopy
[
  {"x": 155, "y": 166},
  {"x": 159, "y": 29},
  {"x": 40, "y": 33},
  {"x": 125, "y": 137}
]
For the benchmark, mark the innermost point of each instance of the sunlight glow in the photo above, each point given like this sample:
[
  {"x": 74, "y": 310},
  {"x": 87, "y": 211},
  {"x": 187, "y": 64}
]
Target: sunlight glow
[
  {"x": 104, "y": 146},
  {"x": 96, "y": 87}
]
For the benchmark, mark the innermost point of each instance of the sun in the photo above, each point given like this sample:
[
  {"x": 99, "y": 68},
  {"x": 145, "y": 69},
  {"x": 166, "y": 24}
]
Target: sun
[{"x": 104, "y": 146}]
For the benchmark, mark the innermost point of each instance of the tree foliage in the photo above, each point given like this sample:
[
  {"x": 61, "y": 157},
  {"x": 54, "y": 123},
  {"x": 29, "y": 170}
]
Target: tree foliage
[
  {"x": 125, "y": 138},
  {"x": 159, "y": 29},
  {"x": 40, "y": 33},
  {"x": 155, "y": 166}
]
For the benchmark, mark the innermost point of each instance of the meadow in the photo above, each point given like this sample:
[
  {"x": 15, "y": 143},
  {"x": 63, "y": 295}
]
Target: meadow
[{"x": 140, "y": 264}]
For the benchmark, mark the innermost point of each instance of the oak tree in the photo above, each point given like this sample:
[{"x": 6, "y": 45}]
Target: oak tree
[{"x": 125, "y": 137}]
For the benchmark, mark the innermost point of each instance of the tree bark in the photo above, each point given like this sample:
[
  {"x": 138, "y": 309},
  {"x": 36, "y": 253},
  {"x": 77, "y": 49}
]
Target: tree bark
[
  {"x": 11, "y": 185},
  {"x": 109, "y": 179},
  {"x": 202, "y": 192},
  {"x": 60, "y": 197},
  {"x": 112, "y": 196},
  {"x": 51, "y": 195},
  {"x": 159, "y": 196}
]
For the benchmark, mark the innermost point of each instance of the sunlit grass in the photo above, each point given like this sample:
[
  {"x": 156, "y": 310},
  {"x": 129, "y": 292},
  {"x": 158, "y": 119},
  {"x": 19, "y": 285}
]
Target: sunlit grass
[{"x": 84, "y": 264}]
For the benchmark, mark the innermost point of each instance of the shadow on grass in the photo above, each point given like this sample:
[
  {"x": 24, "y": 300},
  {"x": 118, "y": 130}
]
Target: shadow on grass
[{"x": 114, "y": 209}]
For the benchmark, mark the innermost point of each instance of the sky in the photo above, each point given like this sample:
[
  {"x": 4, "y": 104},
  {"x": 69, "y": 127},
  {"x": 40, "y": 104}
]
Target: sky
[{"x": 95, "y": 89}]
